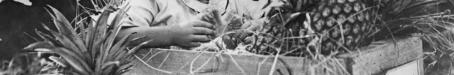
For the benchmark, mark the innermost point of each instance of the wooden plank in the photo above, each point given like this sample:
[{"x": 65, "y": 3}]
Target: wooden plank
[
  {"x": 383, "y": 55},
  {"x": 373, "y": 59},
  {"x": 180, "y": 62}
]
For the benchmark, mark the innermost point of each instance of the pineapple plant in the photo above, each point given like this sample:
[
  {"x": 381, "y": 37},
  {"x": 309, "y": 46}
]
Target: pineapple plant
[{"x": 92, "y": 46}]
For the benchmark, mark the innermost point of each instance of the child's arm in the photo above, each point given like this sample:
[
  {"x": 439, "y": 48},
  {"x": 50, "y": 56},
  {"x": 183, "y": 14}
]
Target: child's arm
[{"x": 191, "y": 35}]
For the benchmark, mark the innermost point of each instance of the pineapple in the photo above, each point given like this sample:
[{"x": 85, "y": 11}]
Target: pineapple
[
  {"x": 337, "y": 24},
  {"x": 330, "y": 25},
  {"x": 343, "y": 23}
]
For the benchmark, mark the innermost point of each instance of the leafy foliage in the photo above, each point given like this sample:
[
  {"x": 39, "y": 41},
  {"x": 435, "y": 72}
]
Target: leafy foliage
[{"x": 90, "y": 48}]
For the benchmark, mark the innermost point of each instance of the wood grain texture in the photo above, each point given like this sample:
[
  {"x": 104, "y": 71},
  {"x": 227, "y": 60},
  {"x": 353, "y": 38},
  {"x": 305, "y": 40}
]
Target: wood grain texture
[
  {"x": 381, "y": 56},
  {"x": 180, "y": 62},
  {"x": 374, "y": 59}
]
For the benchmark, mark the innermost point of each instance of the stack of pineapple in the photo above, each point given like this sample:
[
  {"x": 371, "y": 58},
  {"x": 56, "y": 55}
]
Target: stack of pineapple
[
  {"x": 326, "y": 25},
  {"x": 303, "y": 27}
]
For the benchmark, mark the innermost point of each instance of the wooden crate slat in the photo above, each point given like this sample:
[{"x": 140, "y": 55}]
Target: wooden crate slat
[
  {"x": 383, "y": 56},
  {"x": 373, "y": 59},
  {"x": 179, "y": 62}
]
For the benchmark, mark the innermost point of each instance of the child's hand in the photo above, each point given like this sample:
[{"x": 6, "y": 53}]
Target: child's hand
[{"x": 191, "y": 33}]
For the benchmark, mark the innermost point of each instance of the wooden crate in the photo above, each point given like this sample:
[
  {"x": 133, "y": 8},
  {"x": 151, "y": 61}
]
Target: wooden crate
[{"x": 374, "y": 59}]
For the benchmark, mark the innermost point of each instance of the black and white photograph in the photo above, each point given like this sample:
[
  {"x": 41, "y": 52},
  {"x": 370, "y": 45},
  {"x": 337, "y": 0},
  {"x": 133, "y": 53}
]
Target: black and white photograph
[{"x": 226, "y": 37}]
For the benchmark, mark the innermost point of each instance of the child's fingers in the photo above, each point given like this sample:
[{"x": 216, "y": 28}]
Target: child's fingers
[
  {"x": 205, "y": 17},
  {"x": 200, "y": 38},
  {"x": 203, "y": 31},
  {"x": 212, "y": 16},
  {"x": 203, "y": 24}
]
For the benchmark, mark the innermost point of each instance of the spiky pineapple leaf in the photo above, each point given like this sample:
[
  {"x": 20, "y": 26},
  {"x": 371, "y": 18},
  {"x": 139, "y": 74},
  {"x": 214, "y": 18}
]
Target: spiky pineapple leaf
[
  {"x": 62, "y": 24},
  {"x": 115, "y": 26},
  {"x": 89, "y": 48},
  {"x": 41, "y": 44},
  {"x": 64, "y": 27}
]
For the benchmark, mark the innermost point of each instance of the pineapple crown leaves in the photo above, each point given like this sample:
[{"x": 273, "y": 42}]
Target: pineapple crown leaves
[
  {"x": 403, "y": 17},
  {"x": 395, "y": 9},
  {"x": 93, "y": 49}
]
